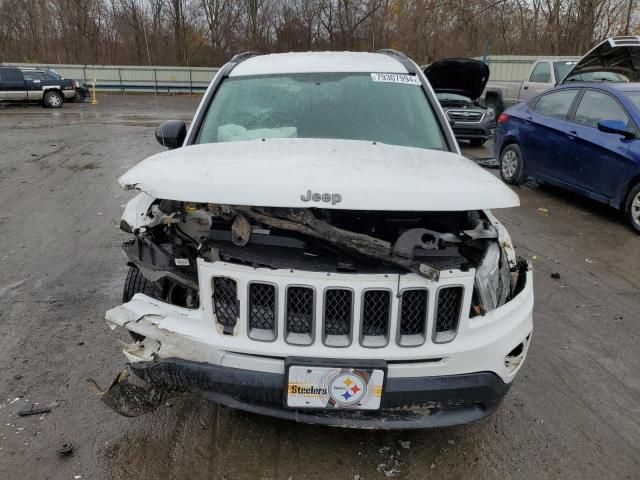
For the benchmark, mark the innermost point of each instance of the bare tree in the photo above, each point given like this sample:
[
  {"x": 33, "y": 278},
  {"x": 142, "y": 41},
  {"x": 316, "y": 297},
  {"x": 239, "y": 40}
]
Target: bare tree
[{"x": 208, "y": 32}]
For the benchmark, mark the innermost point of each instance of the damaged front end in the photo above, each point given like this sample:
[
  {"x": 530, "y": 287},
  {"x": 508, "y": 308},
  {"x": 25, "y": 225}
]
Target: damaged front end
[
  {"x": 172, "y": 235},
  {"x": 254, "y": 259}
]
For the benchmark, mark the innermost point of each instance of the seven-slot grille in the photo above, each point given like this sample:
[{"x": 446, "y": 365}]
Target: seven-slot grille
[
  {"x": 376, "y": 313},
  {"x": 338, "y": 312},
  {"x": 299, "y": 315},
  {"x": 262, "y": 311},
  {"x": 225, "y": 302},
  {"x": 465, "y": 115},
  {"x": 413, "y": 316},
  {"x": 338, "y": 308},
  {"x": 448, "y": 313}
]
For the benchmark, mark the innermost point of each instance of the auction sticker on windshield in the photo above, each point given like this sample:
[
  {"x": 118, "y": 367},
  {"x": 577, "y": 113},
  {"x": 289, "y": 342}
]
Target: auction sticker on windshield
[
  {"x": 334, "y": 387},
  {"x": 395, "y": 78}
]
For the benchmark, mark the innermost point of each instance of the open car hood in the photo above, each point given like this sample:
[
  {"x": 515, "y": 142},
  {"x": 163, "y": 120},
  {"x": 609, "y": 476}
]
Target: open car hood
[
  {"x": 616, "y": 59},
  {"x": 343, "y": 174},
  {"x": 458, "y": 75}
]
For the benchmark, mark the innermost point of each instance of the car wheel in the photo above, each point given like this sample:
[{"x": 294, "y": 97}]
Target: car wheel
[
  {"x": 477, "y": 142},
  {"x": 136, "y": 283},
  {"x": 512, "y": 164},
  {"x": 53, "y": 99},
  {"x": 632, "y": 208}
]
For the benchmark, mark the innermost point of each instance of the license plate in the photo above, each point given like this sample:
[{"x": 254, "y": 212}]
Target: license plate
[{"x": 334, "y": 387}]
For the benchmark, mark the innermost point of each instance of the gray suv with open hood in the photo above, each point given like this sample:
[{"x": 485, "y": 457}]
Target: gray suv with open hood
[{"x": 459, "y": 83}]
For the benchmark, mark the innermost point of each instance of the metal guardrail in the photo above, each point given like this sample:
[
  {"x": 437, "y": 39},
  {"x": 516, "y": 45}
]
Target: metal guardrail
[
  {"x": 123, "y": 78},
  {"x": 126, "y": 78}
]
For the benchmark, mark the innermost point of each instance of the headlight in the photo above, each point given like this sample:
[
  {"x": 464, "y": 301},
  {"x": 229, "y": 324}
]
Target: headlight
[
  {"x": 493, "y": 279},
  {"x": 491, "y": 113}
]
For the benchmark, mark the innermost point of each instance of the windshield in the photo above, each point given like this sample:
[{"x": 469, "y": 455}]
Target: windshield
[
  {"x": 634, "y": 97},
  {"x": 453, "y": 97},
  {"x": 598, "y": 76},
  {"x": 562, "y": 68},
  {"x": 337, "y": 106}
]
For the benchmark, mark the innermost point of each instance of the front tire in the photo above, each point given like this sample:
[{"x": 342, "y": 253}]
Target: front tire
[
  {"x": 136, "y": 283},
  {"x": 53, "y": 99},
  {"x": 632, "y": 208},
  {"x": 512, "y": 164}
]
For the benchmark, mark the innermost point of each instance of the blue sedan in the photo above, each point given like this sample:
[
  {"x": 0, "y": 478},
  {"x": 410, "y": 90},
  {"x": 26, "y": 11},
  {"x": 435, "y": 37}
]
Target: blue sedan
[{"x": 582, "y": 137}]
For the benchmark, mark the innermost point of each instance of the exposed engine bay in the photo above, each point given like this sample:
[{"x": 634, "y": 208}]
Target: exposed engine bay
[{"x": 174, "y": 234}]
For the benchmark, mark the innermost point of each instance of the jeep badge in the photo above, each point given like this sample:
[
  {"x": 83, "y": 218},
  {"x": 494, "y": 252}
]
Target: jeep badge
[{"x": 325, "y": 197}]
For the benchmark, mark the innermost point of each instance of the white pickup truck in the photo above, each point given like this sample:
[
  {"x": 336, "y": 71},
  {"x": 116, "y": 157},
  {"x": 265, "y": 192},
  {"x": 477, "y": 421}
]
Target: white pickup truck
[{"x": 544, "y": 74}]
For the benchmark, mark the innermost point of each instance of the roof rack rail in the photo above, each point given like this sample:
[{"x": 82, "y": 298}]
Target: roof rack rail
[
  {"x": 237, "y": 60},
  {"x": 401, "y": 57},
  {"x": 241, "y": 57}
]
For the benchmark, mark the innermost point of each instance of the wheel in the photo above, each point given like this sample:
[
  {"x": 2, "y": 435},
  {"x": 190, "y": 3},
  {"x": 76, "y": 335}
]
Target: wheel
[
  {"x": 53, "y": 99},
  {"x": 136, "y": 283},
  {"x": 632, "y": 208},
  {"x": 512, "y": 164},
  {"x": 477, "y": 142}
]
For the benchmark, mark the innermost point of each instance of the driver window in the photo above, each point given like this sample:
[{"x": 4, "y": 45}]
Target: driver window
[
  {"x": 541, "y": 74},
  {"x": 595, "y": 106}
]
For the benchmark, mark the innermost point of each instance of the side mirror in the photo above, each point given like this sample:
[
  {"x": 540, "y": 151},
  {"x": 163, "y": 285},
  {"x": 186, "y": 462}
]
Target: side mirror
[
  {"x": 171, "y": 134},
  {"x": 617, "y": 127}
]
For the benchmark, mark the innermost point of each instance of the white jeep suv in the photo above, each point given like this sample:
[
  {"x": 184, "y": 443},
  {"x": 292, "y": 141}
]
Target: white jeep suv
[{"x": 315, "y": 248}]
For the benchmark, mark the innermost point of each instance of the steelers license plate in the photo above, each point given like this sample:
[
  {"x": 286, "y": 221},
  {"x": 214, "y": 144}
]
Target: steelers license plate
[{"x": 334, "y": 387}]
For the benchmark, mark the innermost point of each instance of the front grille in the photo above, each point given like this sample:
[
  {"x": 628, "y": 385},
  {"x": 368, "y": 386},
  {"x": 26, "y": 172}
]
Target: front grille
[
  {"x": 225, "y": 302},
  {"x": 375, "y": 317},
  {"x": 299, "y": 317},
  {"x": 413, "y": 312},
  {"x": 332, "y": 311},
  {"x": 338, "y": 311},
  {"x": 448, "y": 313},
  {"x": 262, "y": 311},
  {"x": 465, "y": 115},
  {"x": 468, "y": 131}
]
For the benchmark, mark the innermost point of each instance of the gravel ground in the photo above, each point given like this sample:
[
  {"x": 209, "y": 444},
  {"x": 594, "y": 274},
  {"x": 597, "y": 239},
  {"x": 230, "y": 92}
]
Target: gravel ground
[{"x": 573, "y": 412}]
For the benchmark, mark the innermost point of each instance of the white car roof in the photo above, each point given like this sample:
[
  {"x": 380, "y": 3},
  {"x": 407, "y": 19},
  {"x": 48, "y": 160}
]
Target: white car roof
[{"x": 318, "y": 62}]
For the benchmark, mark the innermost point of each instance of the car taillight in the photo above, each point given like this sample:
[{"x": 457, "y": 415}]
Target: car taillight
[{"x": 503, "y": 118}]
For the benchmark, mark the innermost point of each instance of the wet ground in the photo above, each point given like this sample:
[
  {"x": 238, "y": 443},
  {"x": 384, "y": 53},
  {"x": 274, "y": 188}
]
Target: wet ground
[{"x": 573, "y": 412}]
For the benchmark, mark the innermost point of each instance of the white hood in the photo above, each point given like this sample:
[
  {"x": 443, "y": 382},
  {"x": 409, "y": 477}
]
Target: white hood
[{"x": 357, "y": 175}]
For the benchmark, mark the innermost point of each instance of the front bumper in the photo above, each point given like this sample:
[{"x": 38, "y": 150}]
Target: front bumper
[
  {"x": 468, "y": 131},
  {"x": 407, "y": 403},
  {"x": 69, "y": 94},
  {"x": 428, "y": 385}
]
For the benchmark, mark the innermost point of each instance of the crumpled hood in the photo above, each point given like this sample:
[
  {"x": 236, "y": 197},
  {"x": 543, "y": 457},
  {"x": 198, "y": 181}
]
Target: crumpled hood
[
  {"x": 458, "y": 75},
  {"x": 615, "y": 59},
  {"x": 343, "y": 174}
]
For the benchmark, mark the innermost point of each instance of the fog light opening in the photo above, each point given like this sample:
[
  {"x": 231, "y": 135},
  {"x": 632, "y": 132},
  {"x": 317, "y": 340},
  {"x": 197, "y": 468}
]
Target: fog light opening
[
  {"x": 516, "y": 352},
  {"x": 515, "y": 357}
]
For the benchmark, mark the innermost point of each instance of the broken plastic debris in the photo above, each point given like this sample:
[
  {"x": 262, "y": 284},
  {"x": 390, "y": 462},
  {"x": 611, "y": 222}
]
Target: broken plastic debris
[{"x": 129, "y": 399}]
